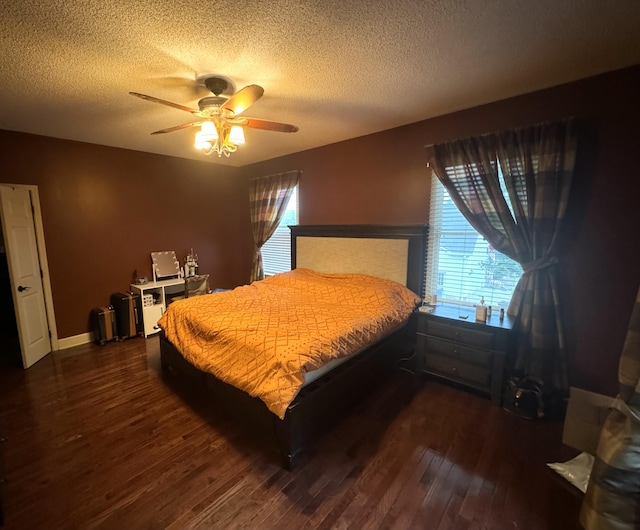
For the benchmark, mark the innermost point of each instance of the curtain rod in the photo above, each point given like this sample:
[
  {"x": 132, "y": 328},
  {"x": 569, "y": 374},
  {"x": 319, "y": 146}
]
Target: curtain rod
[
  {"x": 299, "y": 171},
  {"x": 551, "y": 122}
]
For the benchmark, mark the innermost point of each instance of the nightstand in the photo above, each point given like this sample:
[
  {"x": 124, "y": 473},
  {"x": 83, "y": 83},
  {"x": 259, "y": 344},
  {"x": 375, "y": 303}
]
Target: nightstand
[{"x": 465, "y": 351}]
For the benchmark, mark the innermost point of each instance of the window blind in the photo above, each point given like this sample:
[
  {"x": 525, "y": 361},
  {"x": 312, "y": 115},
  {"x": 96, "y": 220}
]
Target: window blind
[
  {"x": 276, "y": 252},
  {"x": 462, "y": 267}
]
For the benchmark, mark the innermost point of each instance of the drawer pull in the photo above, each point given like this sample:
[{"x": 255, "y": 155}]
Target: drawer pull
[{"x": 455, "y": 370}]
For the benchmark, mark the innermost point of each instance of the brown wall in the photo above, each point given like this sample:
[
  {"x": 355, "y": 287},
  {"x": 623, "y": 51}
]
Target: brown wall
[
  {"x": 382, "y": 178},
  {"x": 105, "y": 210}
]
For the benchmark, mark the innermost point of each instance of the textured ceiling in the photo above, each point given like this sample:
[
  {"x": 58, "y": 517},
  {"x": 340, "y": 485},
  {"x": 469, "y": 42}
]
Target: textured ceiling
[{"x": 336, "y": 69}]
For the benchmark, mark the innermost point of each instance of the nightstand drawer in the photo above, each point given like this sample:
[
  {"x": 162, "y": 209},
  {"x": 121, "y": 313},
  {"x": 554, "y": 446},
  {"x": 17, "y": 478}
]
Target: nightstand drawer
[
  {"x": 457, "y": 333},
  {"x": 457, "y": 370},
  {"x": 455, "y": 350}
]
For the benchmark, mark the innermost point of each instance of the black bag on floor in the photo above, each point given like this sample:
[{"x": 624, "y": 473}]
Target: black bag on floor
[{"x": 526, "y": 396}]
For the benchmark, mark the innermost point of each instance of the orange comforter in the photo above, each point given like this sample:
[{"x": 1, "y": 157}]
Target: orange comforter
[{"x": 263, "y": 337}]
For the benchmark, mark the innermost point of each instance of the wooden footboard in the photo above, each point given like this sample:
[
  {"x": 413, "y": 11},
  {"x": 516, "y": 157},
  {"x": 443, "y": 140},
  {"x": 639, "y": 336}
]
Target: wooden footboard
[{"x": 317, "y": 408}]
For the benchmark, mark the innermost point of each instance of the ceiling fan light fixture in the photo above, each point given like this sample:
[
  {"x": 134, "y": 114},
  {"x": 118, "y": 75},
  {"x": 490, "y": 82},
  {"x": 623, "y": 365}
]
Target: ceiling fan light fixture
[
  {"x": 206, "y": 137},
  {"x": 218, "y": 138},
  {"x": 209, "y": 130},
  {"x": 200, "y": 142},
  {"x": 236, "y": 135}
]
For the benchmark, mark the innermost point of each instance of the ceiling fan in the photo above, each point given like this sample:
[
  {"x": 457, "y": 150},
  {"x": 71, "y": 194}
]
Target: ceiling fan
[{"x": 221, "y": 127}]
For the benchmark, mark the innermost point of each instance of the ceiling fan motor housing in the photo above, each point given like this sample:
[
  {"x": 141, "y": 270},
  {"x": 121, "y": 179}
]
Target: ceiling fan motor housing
[
  {"x": 217, "y": 85},
  {"x": 211, "y": 101}
]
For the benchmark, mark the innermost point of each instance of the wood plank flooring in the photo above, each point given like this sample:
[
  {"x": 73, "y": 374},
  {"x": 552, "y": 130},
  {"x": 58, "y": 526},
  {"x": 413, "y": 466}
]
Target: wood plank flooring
[{"x": 97, "y": 438}]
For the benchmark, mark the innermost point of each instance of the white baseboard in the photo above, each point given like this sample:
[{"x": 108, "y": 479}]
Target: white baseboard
[{"x": 75, "y": 340}]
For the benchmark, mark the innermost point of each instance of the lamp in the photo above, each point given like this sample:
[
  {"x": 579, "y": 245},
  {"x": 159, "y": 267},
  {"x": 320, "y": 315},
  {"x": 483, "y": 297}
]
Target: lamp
[{"x": 219, "y": 137}]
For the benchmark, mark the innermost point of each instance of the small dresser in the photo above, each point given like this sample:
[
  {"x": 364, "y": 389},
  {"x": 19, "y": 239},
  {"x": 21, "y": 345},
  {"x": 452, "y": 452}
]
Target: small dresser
[{"x": 465, "y": 351}]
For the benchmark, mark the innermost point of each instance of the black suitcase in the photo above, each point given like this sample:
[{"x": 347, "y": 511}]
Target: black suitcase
[
  {"x": 128, "y": 308},
  {"x": 103, "y": 324}
]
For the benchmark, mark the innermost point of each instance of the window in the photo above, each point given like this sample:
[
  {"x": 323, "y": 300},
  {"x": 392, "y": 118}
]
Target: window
[
  {"x": 276, "y": 252},
  {"x": 462, "y": 267}
]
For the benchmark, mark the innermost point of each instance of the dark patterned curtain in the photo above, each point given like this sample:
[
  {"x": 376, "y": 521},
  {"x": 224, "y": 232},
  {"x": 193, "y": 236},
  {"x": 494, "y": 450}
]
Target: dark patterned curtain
[
  {"x": 612, "y": 500},
  {"x": 268, "y": 199},
  {"x": 537, "y": 165}
]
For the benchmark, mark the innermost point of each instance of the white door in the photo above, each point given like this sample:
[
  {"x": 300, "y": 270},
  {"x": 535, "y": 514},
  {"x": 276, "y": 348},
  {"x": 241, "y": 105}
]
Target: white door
[{"x": 24, "y": 270}]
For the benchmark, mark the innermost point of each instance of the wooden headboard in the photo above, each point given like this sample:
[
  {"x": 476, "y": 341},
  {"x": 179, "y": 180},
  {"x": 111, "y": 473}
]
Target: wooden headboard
[{"x": 395, "y": 252}]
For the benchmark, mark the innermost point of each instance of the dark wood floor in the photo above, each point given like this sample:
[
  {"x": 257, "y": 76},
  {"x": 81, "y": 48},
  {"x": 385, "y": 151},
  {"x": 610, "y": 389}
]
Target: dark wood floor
[{"x": 97, "y": 438}]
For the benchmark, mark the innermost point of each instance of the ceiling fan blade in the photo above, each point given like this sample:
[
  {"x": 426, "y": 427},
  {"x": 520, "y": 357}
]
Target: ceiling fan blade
[
  {"x": 243, "y": 99},
  {"x": 178, "y": 127},
  {"x": 267, "y": 125},
  {"x": 164, "y": 102}
]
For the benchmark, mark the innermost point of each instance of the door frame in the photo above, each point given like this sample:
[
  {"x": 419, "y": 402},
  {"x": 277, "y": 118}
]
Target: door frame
[{"x": 42, "y": 257}]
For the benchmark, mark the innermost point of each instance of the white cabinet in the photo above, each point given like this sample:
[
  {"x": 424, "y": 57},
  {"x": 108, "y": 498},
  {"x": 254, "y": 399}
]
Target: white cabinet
[{"x": 154, "y": 296}]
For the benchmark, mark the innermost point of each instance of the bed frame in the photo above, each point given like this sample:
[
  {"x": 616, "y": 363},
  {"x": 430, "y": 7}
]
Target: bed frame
[{"x": 395, "y": 252}]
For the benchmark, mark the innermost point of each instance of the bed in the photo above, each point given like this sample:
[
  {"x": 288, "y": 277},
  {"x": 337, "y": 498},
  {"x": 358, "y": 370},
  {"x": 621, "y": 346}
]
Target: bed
[{"x": 331, "y": 392}]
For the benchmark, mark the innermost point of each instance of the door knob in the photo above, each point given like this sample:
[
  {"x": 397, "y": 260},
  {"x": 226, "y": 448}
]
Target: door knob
[{"x": 21, "y": 288}]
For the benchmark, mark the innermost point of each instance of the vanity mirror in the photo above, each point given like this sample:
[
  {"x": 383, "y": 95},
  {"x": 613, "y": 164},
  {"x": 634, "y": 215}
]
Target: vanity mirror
[{"x": 165, "y": 265}]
